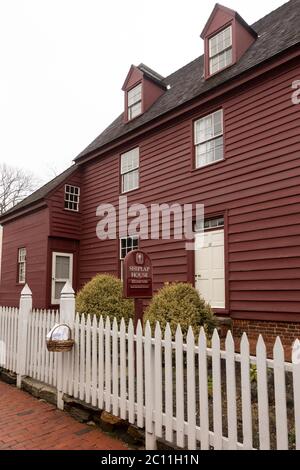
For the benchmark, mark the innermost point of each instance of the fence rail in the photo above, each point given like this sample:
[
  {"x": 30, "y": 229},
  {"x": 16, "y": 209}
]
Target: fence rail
[{"x": 185, "y": 390}]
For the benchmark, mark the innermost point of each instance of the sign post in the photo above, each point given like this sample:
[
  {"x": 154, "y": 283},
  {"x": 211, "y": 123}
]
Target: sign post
[{"x": 137, "y": 280}]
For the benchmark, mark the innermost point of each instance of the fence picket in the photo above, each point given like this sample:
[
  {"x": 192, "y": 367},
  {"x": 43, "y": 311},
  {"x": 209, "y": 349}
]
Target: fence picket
[
  {"x": 158, "y": 380},
  {"x": 149, "y": 382},
  {"x": 296, "y": 389},
  {"x": 280, "y": 397},
  {"x": 246, "y": 393},
  {"x": 94, "y": 361},
  {"x": 82, "y": 358},
  {"x": 168, "y": 384},
  {"x": 217, "y": 391},
  {"x": 131, "y": 373},
  {"x": 139, "y": 375},
  {"x": 231, "y": 392},
  {"x": 107, "y": 365},
  {"x": 76, "y": 356},
  {"x": 88, "y": 360},
  {"x": 262, "y": 395},
  {"x": 115, "y": 368},
  {"x": 179, "y": 388},
  {"x": 203, "y": 391},
  {"x": 101, "y": 360},
  {"x": 191, "y": 392},
  {"x": 123, "y": 371}
]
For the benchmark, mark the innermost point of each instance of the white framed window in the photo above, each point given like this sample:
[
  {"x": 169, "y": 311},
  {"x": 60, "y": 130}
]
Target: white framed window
[
  {"x": 72, "y": 195},
  {"x": 220, "y": 50},
  {"x": 127, "y": 244},
  {"x": 212, "y": 224},
  {"x": 134, "y": 101},
  {"x": 209, "y": 147},
  {"x": 21, "y": 265},
  {"x": 130, "y": 170}
]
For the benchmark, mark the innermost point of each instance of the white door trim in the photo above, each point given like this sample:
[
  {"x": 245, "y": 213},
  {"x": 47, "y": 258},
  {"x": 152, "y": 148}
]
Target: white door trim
[
  {"x": 53, "y": 274},
  {"x": 207, "y": 275}
]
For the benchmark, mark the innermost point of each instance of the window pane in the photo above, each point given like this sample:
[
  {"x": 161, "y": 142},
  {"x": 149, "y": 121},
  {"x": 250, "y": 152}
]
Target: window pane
[
  {"x": 134, "y": 110},
  {"x": 58, "y": 288},
  {"x": 62, "y": 268},
  {"x": 209, "y": 152},
  {"x": 130, "y": 160},
  {"x": 135, "y": 95}
]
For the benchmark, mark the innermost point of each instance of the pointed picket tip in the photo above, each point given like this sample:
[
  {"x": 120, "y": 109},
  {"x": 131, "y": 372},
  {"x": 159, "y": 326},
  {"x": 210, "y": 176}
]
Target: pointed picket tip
[
  {"x": 88, "y": 320},
  {"x": 148, "y": 329},
  {"x": 26, "y": 291},
  {"x": 94, "y": 321},
  {"x": 296, "y": 352},
  {"x": 107, "y": 322},
  {"x": 168, "y": 332},
  {"x": 260, "y": 346},
  {"x": 178, "y": 334},
  {"x": 115, "y": 323},
  {"x": 296, "y": 345},
  {"x": 215, "y": 336},
  {"x": 139, "y": 327},
  {"x": 77, "y": 318},
  {"x": 67, "y": 289},
  {"x": 101, "y": 322},
  {"x": 190, "y": 335},
  {"x": 122, "y": 324},
  {"x": 130, "y": 326},
  {"x": 244, "y": 344},
  {"x": 229, "y": 342},
  {"x": 202, "y": 336},
  {"x": 157, "y": 329},
  {"x": 278, "y": 350}
]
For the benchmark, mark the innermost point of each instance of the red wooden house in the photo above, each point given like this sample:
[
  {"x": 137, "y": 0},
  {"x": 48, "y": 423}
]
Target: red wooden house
[{"x": 222, "y": 131}]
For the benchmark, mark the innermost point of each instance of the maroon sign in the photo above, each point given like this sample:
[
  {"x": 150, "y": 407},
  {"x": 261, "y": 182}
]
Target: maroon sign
[{"x": 137, "y": 275}]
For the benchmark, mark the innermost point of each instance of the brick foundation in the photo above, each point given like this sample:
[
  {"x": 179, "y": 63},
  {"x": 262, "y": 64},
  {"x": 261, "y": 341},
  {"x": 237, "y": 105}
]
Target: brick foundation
[{"x": 288, "y": 332}]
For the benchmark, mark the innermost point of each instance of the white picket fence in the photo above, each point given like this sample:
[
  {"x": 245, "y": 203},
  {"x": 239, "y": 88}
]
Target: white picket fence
[{"x": 190, "y": 393}]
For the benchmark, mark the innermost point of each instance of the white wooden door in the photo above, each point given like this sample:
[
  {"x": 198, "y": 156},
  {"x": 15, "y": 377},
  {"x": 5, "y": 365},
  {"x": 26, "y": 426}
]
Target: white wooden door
[
  {"x": 62, "y": 271},
  {"x": 210, "y": 269}
]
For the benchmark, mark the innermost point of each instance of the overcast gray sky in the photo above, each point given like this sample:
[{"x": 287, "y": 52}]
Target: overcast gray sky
[{"x": 63, "y": 63}]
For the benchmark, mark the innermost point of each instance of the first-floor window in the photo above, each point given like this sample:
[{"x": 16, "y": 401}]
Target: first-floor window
[
  {"x": 21, "y": 265},
  {"x": 126, "y": 245}
]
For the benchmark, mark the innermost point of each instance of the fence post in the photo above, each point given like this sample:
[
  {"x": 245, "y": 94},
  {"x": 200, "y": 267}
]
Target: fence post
[
  {"x": 67, "y": 315},
  {"x": 25, "y": 308}
]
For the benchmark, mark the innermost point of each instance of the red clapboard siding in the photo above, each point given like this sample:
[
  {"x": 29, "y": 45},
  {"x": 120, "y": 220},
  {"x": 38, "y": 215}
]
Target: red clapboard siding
[
  {"x": 30, "y": 232},
  {"x": 64, "y": 223},
  {"x": 257, "y": 186}
]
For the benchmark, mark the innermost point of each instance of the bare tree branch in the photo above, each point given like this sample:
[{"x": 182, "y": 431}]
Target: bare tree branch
[{"x": 15, "y": 185}]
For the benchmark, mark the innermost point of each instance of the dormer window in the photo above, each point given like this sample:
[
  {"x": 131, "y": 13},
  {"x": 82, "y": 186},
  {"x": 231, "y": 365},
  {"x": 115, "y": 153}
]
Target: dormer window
[
  {"x": 220, "y": 50},
  {"x": 134, "y": 97}
]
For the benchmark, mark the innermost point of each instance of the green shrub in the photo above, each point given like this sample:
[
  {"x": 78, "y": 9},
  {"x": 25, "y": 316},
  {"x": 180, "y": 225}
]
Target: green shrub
[
  {"x": 180, "y": 303},
  {"x": 103, "y": 295}
]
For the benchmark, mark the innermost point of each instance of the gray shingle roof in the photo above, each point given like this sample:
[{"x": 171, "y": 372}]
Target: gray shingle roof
[{"x": 277, "y": 31}]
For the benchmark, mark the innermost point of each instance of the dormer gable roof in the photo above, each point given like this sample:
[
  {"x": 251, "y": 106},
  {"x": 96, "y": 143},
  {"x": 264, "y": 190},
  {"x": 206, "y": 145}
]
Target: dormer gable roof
[
  {"x": 138, "y": 72},
  {"x": 230, "y": 14}
]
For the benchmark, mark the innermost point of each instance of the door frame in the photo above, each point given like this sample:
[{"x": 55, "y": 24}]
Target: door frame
[
  {"x": 53, "y": 279},
  {"x": 191, "y": 259}
]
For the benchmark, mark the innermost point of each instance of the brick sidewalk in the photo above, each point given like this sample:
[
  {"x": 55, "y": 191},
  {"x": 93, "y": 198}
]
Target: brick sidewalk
[{"x": 27, "y": 423}]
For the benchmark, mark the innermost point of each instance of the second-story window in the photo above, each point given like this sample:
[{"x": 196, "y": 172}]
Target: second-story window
[
  {"x": 130, "y": 170},
  {"x": 21, "y": 265},
  {"x": 134, "y": 98},
  {"x": 72, "y": 194},
  {"x": 209, "y": 139},
  {"x": 220, "y": 50}
]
